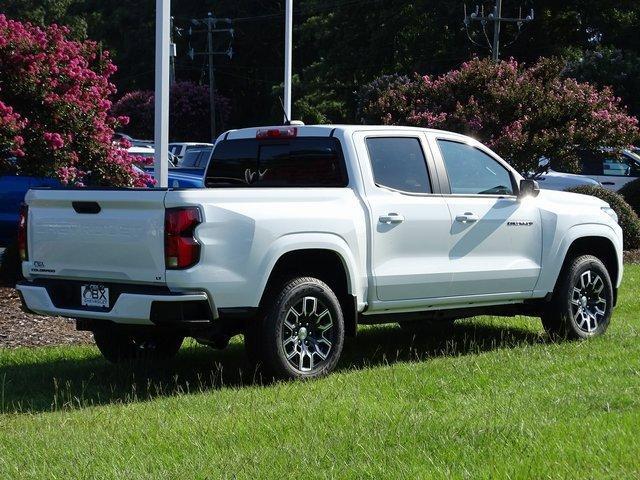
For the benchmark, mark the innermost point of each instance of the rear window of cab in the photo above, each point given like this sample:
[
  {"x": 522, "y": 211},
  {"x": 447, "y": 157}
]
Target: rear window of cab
[{"x": 294, "y": 162}]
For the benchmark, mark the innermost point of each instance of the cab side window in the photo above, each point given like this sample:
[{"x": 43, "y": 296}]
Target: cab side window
[
  {"x": 399, "y": 163},
  {"x": 473, "y": 172},
  {"x": 620, "y": 167}
]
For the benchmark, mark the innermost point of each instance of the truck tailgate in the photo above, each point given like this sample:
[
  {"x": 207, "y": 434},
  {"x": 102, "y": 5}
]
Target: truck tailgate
[{"x": 97, "y": 235}]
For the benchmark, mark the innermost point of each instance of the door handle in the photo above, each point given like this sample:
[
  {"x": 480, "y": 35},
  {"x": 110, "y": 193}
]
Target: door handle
[
  {"x": 467, "y": 218},
  {"x": 608, "y": 183},
  {"x": 391, "y": 218}
]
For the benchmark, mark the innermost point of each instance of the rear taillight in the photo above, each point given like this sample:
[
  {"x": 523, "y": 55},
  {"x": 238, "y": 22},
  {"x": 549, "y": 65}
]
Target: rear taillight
[
  {"x": 22, "y": 233},
  {"x": 181, "y": 249}
]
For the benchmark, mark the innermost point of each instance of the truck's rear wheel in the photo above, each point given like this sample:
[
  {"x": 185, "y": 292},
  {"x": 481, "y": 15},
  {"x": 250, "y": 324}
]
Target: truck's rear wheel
[
  {"x": 118, "y": 347},
  {"x": 302, "y": 333},
  {"x": 582, "y": 304}
]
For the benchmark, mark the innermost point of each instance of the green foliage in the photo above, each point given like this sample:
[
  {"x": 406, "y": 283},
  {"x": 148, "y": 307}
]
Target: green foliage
[
  {"x": 608, "y": 66},
  {"x": 631, "y": 193},
  {"x": 189, "y": 113},
  {"x": 340, "y": 45},
  {"x": 627, "y": 217}
]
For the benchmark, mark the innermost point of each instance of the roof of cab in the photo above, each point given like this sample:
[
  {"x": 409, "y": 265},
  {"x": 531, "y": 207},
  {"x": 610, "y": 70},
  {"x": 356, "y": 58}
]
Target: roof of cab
[{"x": 324, "y": 130}]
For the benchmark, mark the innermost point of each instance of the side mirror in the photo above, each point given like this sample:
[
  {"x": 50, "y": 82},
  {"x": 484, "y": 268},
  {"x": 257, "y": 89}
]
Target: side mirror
[{"x": 528, "y": 188}]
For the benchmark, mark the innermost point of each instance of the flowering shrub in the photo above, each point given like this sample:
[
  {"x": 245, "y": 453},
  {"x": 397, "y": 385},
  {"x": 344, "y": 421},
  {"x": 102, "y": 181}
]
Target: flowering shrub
[
  {"x": 189, "y": 116},
  {"x": 627, "y": 218},
  {"x": 54, "y": 108},
  {"x": 522, "y": 113},
  {"x": 631, "y": 193}
]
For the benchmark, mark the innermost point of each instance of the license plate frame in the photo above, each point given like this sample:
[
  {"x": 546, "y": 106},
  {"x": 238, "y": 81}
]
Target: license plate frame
[{"x": 94, "y": 296}]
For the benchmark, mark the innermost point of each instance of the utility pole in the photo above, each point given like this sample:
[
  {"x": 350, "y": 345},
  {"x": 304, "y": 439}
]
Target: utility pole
[
  {"x": 212, "y": 78},
  {"x": 211, "y": 23},
  {"x": 161, "y": 126},
  {"x": 495, "y": 18},
  {"x": 288, "y": 59},
  {"x": 496, "y": 31}
]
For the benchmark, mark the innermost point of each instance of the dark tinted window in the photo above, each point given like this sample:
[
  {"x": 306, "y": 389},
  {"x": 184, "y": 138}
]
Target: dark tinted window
[
  {"x": 399, "y": 163},
  {"x": 299, "y": 162},
  {"x": 196, "y": 158},
  {"x": 473, "y": 172}
]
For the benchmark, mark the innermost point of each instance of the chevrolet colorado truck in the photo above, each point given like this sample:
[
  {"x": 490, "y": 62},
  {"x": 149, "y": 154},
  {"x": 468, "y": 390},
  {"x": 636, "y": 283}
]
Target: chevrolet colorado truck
[{"x": 304, "y": 232}]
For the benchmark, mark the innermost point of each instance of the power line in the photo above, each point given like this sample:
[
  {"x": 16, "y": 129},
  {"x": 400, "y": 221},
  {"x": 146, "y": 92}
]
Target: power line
[
  {"x": 497, "y": 19},
  {"x": 211, "y": 23}
]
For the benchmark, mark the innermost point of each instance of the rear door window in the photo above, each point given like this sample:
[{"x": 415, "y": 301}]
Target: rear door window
[
  {"x": 196, "y": 158},
  {"x": 399, "y": 163},
  {"x": 298, "y": 162}
]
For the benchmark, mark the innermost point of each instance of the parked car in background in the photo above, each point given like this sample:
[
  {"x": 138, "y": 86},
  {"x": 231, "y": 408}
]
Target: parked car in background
[
  {"x": 197, "y": 158},
  {"x": 549, "y": 179},
  {"x": 179, "y": 149},
  {"x": 611, "y": 169},
  {"x": 118, "y": 137},
  {"x": 147, "y": 154},
  {"x": 12, "y": 191},
  {"x": 305, "y": 232},
  {"x": 179, "y": 177}
]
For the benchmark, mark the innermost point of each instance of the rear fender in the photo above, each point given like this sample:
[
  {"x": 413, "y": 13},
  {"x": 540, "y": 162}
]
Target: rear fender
[{"x": 312, "y": 241}]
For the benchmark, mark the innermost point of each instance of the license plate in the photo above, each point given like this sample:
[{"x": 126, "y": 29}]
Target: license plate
[{"x": 94, "y": 296}]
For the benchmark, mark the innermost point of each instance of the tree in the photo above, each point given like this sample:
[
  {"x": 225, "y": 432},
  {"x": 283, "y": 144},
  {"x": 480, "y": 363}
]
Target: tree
[
  {"x": 55, "y": 92},
  {"x": 612, "y": 67},
  {"x": 523, "y": 113},
  {"x": 189, "y": 114}
]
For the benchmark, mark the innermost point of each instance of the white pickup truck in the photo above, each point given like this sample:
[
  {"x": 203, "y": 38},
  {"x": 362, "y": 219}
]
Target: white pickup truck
[{"x": 304, "y": 232}]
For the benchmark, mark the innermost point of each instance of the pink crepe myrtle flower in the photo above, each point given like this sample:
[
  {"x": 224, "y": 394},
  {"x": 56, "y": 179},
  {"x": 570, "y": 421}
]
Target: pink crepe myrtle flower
[{"x": 63, "y": 127}]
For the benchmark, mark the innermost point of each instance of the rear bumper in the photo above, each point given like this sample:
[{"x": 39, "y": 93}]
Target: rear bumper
[{"x": 128, "y": 309}]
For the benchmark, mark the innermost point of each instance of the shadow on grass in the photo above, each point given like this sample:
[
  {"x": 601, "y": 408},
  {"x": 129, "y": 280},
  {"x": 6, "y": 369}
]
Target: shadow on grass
[{"x": 58, "y": 383}]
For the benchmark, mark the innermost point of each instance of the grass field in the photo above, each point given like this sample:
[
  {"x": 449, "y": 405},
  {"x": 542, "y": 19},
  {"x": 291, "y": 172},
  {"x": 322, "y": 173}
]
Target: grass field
[{"x": 495, "y": 399}]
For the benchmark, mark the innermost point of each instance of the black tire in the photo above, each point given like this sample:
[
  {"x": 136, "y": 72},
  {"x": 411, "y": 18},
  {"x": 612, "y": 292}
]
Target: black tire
[
  {"x": 582, "y": 304},
  {"x": 10, "y": 266},
  {"x": 426, "y": 327},
  {"x": 302, "y": 333},
  {"x": 119, "y": 347},
  {"x": 253, "y": 343}
]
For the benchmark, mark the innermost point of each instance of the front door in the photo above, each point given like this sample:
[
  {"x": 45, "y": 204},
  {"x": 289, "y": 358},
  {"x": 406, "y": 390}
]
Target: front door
[{"x": 495, "y": 239}]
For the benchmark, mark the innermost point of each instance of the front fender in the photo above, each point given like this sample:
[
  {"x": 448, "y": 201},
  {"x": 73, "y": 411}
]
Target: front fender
[{"x": 553, "y": 259}]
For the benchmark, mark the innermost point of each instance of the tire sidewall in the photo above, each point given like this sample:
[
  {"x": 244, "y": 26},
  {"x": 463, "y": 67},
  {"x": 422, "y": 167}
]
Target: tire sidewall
[
  {"x": 579, "y": 267},
  {"x": 293, "y": 291}
]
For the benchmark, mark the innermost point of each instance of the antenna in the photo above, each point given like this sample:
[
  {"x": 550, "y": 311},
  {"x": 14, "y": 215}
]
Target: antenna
[{"x": 287, "y": 120}]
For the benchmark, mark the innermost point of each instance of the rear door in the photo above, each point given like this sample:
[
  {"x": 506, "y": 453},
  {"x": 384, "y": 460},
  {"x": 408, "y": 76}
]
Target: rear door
[
  {"x": 410, "y": 221},
  {"x": 495, "y": 244},
  {"x": 97, "y": 235}
]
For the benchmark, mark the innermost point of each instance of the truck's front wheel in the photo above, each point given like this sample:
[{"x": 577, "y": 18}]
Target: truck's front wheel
[
  {"x": 302, "y": 333},
  {"x": 118, "y": 347},
  {"x": 582, "y": 304}
]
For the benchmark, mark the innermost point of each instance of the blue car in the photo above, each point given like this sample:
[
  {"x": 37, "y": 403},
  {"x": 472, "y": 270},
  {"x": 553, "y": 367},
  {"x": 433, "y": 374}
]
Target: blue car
[{"x": 12, "y": 191}]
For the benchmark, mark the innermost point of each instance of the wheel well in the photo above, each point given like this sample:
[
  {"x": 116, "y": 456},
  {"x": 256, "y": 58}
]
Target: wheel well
[
  {"x": 599, "y": 247},
  {"x": 325, "y": 265}
]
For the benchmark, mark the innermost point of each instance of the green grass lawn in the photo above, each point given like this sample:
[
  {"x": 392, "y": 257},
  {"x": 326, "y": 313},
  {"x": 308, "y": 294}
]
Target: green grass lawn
[{"x": 495, "y": 399}]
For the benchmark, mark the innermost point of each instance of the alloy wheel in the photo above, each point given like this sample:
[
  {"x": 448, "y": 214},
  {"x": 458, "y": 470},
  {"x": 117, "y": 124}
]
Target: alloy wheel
[
  {"x": 307, "y": 333},
  {"x": 588, "y": 305}
]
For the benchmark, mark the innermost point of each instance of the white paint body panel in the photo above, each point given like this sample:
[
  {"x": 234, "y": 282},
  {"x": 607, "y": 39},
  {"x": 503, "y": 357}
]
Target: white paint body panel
[{"x": 427, "y": 262}]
